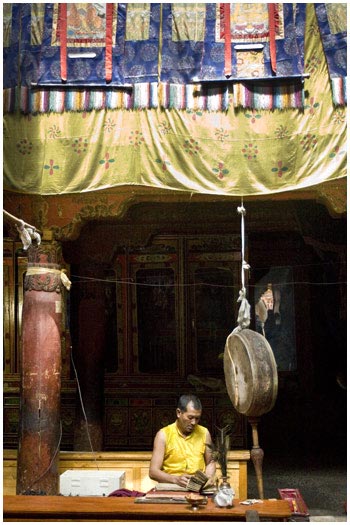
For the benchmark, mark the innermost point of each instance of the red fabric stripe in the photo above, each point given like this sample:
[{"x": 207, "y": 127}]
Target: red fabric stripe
[
  {"x": 272, "y": 31},
  {"x": 222, "y": 20},
  {"x": 227, "y": 36},
  {"x": 109, "y": 40},
  {"x": 62, "y": 29}
]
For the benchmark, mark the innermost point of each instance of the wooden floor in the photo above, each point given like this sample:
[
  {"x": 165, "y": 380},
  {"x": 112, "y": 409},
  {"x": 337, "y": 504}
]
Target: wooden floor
[{"x": 62, "y": 508}]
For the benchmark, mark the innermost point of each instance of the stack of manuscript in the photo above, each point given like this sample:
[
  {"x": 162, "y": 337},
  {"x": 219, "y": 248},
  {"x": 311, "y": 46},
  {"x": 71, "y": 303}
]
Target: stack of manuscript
[
  {"x": 197, "y": 481},
  {"x": 173, "y": 493},
  {"x": 164, "y": 493}
]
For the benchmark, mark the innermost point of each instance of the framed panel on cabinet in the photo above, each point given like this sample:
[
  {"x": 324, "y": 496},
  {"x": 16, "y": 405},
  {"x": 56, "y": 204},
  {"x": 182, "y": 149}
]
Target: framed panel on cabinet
[{"x": 214, "y": 276}]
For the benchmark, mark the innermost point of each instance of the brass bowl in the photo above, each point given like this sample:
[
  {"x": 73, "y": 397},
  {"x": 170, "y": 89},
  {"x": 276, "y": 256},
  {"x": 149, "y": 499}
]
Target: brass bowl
[{"x": 195, "y": 500}]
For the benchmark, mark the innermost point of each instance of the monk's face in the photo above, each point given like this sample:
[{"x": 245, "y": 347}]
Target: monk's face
[{"x": 186, "y": 421}]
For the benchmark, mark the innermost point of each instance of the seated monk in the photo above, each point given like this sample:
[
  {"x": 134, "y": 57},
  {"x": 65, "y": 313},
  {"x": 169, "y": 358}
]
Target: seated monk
[{"x": 181, "y": 448}]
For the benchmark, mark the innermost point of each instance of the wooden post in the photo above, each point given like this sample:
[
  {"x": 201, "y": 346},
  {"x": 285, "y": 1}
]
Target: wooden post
[
  {"x": 39, "y": 427},
  {"x": 257, "y": 455}
]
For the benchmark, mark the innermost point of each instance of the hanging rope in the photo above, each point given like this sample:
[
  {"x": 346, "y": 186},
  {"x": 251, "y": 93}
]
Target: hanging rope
[
  {"x": 243, "y": 318},
  {"x": 27, "y": 232}
]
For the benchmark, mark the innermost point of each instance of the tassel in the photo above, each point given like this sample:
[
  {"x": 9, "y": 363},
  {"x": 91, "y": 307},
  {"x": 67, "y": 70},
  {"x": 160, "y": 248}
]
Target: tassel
[{"x": 65, "y": 281}]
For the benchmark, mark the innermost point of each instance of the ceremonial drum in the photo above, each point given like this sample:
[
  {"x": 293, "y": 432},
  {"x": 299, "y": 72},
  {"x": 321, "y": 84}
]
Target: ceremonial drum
[{"x": 250, "y": 373}]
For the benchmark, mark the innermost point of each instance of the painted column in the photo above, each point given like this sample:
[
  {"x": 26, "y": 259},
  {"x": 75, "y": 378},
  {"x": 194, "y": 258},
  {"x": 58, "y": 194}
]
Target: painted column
[{"x": 40, "y": 428}]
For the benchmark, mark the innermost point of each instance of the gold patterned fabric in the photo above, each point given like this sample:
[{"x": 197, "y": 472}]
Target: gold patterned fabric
[
  {"x": 6, "y": 24},
  {"x": 37, "y": 27},
  {"x": 137, "y": 21},
  {"x": 250, "y": 23},
  {"x": 188, "y": 22},
  {"x": 237, "y": 152},
  {"x": 86, "y": 25},
  {"x": 337, "y": 17}
]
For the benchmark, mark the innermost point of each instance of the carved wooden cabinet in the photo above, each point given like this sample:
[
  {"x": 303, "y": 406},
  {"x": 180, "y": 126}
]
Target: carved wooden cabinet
[
  {"x": 170, "y": 306},
  {"x": 14, "y": 263},
  {"x": 176, "y": 304}
]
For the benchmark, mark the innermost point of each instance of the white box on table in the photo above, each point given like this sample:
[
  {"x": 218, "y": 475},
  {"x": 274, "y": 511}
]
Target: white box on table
[{"x": 91, "y": 482}]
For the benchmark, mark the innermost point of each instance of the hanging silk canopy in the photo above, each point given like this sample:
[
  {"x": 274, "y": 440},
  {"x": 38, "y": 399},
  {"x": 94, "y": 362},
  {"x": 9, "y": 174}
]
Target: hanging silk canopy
[{"x": 237, "y": 152}]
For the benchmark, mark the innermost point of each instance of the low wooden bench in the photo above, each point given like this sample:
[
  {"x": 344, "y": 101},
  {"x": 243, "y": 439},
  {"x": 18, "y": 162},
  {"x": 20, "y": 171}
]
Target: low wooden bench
[{"x": 135, "y": 465}]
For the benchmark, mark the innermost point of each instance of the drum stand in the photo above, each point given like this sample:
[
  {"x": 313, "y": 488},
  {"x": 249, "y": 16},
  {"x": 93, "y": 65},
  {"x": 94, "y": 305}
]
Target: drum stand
[{"x": 257, "y": 455}]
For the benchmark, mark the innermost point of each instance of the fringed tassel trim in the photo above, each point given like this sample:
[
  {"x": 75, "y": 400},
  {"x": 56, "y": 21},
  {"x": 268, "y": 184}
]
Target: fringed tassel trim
[
  {"x": 339, "y": 91},
  {"x": 193, "y": 97},
  {"x": 287, "y": 96}
]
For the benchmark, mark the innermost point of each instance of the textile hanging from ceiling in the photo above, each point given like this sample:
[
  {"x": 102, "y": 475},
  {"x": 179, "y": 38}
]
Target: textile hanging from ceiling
[
  {"x": 149, "y": 55},
  {"x": 237, "y": 152},
  {"x": 332, "y": 21}
]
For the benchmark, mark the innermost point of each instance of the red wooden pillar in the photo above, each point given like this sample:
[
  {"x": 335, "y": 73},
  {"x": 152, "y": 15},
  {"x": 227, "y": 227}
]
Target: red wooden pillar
[{"x": 39, "y": 428}]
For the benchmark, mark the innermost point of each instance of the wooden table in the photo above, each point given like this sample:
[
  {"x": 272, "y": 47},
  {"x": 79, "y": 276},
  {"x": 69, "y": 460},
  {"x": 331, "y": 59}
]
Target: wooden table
[{"x": 85, "y": 508}]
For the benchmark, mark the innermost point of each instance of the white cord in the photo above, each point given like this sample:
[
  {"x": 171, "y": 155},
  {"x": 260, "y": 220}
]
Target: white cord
[
  {"x": 243, "y": 318},
  {"x": 83, "y": 410}
]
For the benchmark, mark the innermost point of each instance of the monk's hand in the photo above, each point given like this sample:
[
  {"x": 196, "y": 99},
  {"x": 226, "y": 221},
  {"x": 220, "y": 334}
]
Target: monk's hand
[
  {"x": 182, "y": 480},
  {"x": 211, "y": 482}
]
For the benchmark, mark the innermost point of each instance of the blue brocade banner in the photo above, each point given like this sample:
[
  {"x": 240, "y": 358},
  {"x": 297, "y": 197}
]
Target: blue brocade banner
[
  {"x": 164, "y": 44},
  {"x": 173, "y": 43},
  {"x": 332, "y": 23}
]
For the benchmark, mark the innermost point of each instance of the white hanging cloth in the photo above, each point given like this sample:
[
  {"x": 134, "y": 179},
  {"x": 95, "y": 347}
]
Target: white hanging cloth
[{"x": 243, "y": 318}]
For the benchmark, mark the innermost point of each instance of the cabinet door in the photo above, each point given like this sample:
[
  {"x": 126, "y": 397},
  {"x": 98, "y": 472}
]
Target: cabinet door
[
  {"x": 8, "y": 315},
  {"x": 155, "y": 316},
  {"x": 213, "y": 309}
]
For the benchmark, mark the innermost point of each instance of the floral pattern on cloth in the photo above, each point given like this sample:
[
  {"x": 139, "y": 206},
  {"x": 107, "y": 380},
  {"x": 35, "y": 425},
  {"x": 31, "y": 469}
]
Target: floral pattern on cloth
[{"x": 201, "y": 149}]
